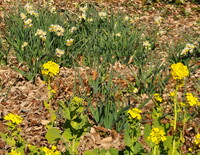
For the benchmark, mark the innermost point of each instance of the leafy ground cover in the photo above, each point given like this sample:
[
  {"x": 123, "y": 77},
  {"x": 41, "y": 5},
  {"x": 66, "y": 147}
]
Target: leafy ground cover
[{"x": 118, "y": 77}]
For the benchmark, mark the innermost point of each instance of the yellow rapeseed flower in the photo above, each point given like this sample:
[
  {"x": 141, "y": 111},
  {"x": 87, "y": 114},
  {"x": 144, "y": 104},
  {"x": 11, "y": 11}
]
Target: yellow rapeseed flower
[
  {"x": 135, "y": 113},
  {"x": 157, "y": 97},
  {"x": 179, "y": 71},
  {"x": 15, "y": 119},
  {"x": 51, "y": 151},
  {"x": 50, "y": 68},
  {"x": 192, "y": 100},
  {"x": 197, "y": 140},
  {"x": 14, "y": 152},
  {"x": 157, "y": 135}
]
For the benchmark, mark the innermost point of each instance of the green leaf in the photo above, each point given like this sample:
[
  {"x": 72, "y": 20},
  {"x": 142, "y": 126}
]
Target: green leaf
[
  {"x": 53, "y": 134},
  {"x": 168, "y": 142},
  {"x": 67, "y": 135},
  {"x": 88, "y": 152},
  {"x": 114, "y": 151}
]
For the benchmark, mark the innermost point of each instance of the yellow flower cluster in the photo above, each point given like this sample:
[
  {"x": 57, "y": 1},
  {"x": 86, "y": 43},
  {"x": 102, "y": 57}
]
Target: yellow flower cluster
[
  {"x": 15, "y": 119},
  {"x": 191, "y": 100},
  {"x": 197, "y": 140},
  {"x": 147, "y": 45},
  {"x": 14, "y": 152},
  {"x": 59, "y": 52},
  {"x": 41, "y": 34},
  {"x": 59, "y": 31},
  {"x": 50, "y": 69},
  {"x": 188, "y": 48},
  {"x": 69, "y": 42},
  {"x": 51, "y": 151},
  {"x": 179, "y": 71},
  {"x": 157, "y": 135},
  {"x": 157, "y": 97},
  {"x": 77, "y": 100},
  {"x": 28, "y": 23},
  {"x": 135, "y": 113}
]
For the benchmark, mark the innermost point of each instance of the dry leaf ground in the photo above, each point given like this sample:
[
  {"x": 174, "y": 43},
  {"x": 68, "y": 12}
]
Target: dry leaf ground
[{"x": 26, "y": 99}]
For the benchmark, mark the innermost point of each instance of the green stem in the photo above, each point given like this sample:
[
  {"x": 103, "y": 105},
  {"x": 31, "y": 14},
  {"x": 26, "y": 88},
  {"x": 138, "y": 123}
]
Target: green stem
[
  {"x": 155, "y": 150},
  {"x": 174, "y": 147}
]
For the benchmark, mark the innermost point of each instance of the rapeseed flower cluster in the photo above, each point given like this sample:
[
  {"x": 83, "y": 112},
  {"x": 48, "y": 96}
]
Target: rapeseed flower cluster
[
  {"x": 157, "y": 97},
  {"x": 157, "y": 135},
  {"x": 59, "y": 31},
  {"x": 51, "y": 151},
  {"x": 147, "y": 45},
  {"x": 14, "y": 152},
  {"x": 77, "y": 100},
  {"x": 134, "y": 113},
  {"x": 192, "y": 100},
  {"x": 50, "y": 69},
  {"x": 69, "y": 42},
  {"x": 197, "y": 140},
  {"x": 41, "y": 34},
  {"x": 59, "y": 52},
  {"x": 188, "y": 48},
  {"x": 28, "y": 23},
  {"x": 179, "y": 71},
  {"x": 15, "y": 119}
]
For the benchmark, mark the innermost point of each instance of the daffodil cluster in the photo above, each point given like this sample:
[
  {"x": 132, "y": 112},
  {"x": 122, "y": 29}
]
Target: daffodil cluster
[
  {"x": 28, "y": 23},
  {"x": 59, "y": 52},
  {"x": 51, "y": 151},
  {"x": 158, "y": 20},
  {"x": 147, "y": 45},
  {"x": 102, "y": 15},
  {"x": 41, "y": 34},
  {"x": 29, "y": 9},
  {"x": 69, "y": 42},
  {"x": 134, "y": 113},
  {"x": 157, "y": 97},
  {"x": 59, "y": 31},
  {"x": 188, "y": 48},
  {"x": 197, "y": 140},
  {"x": 15, "y": 119},
  {"x": 157, "y": 135},
  {"x": 24, "y": 45},
  {"x": 179, "y": 71},
  {"x": 192, "y": 100},
  {"x": 50, "y": 69}
]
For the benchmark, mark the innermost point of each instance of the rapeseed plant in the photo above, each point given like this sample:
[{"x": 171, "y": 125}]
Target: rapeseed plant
[
  {"x": 15, "y": 119},
  {"x": 51, "y": 151},
  {"x": 50, "y": 69},
  {"x": 157, "y": 97},
  {"x": 134, "y": 113},
  {"x": 192, "y": 100},
  {"x": 14, "y": 152},
  {"x": 197, "y": 140},
  {"x": 179, "y": 71},
  {"x": 157, "y": 135}
]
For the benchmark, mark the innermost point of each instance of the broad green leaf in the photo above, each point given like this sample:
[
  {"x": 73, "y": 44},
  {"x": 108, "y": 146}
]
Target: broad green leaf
[
  {"x": 67, "y": 135},
  {"x": 53, "y": 134},
  {"x": 114, "y": 151},
  {"x": 168, "y": 142},
  {"x": 88, "y": 152}
]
